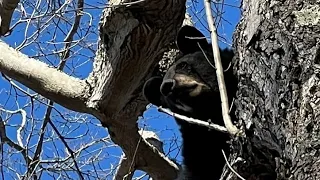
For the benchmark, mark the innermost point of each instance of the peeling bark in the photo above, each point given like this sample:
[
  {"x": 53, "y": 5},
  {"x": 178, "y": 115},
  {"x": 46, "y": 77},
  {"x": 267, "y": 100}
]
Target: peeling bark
[
  {"x": 277, "y": 48},
  {"x": 6, "y": 10}
]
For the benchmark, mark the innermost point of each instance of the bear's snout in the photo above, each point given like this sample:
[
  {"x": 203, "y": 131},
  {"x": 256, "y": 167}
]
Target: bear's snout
[{"x": 181, "y": 85}]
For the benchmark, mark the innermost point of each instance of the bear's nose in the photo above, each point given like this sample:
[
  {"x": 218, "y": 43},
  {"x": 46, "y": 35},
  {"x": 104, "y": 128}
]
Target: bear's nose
[{"x": 167, "y": 86}]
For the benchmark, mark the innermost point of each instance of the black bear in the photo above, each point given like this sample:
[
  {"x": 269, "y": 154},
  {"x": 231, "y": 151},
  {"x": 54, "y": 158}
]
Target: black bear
[{"x": 190, "y": 88}]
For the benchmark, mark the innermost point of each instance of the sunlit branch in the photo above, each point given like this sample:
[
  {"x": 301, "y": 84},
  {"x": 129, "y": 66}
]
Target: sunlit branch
[
  {"x": 194, "y": 121},
  {"x": 233, "y": 130},
  {"x": 49, "y": 82},
  {"x": 22, "y": 125}
]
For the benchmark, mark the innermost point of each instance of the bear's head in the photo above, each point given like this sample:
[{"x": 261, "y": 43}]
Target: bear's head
[{"x": 190, "y": 86}]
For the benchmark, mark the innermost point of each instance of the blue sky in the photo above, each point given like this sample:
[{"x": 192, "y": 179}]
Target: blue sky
[{"x": 82, "y": 58}]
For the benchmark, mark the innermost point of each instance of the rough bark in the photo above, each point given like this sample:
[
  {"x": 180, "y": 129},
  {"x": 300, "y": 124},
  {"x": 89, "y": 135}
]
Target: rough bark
[
  {"x": 277, "y": 47},
  {"x": 126, "y": 166},
  {"x": 6, "y": 10},
  {"x": 132, "y": 41},
  {"x": 133, "y": 38}
]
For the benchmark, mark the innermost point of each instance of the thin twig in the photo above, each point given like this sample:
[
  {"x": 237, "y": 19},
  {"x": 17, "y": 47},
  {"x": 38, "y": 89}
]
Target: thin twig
[
  {"x": 233, "y": 130},
  {"x": 68, "y": 43},
  {"x": 229, "y": 166},
  {"x": 70, "y": 151},
  {"x": 22, "y": 125},
  {"x": 4, "y": 138},
  {"x": 194, "y": 121},
  {"x": 131, "y": 169}
]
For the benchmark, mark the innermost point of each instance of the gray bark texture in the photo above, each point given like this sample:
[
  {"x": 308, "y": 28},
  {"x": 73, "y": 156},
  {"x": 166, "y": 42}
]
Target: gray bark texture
[
  {"x": 126, "y": 165},
  {"x": 133, "y": 39},
  {"x": 278, "y": 66},
  {"x": 277, "y": 49}
]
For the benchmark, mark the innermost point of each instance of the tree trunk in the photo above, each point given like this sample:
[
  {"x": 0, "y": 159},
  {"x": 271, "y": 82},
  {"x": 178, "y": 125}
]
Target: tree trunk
[
  {"x": 277, "y": 49},
  {"x": 278, "y": 64},
  {"x": 133, "y": 38}
]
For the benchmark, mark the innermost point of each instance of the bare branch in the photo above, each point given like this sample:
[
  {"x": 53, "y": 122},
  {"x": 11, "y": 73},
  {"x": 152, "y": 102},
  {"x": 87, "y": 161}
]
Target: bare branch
[
  {"x": 195, "y": 121},
  {"x": 47, "y": 119},
  {"x": 71, "y": 33},
  {"x": 70, "y": 151},
  {"x": 6, "y": 10},
  {"x": 132, "y": 41},
  {"x": 127, "y": 166},
  {"x": 22, "y": 125},
  {"x": 12, "y": 144},
  {"x": 229, "y": 166},
  {"x": 233, "y": 130},
  {"x": 123, "y": 171},
  {"x": 36, "y": 158},
  {"x": 61, "y": 88}
]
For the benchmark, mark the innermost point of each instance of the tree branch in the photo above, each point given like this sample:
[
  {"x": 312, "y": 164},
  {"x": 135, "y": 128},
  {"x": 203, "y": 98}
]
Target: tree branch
[
  {"x": 4, "y": 138},
  {"x": 6, "y": 10},
  {"x": 194, "y": 121},
  {"x": 22, "y": 125},
  {"x": 65, "y": 90},
  {"x": 233, "y": 130},
  {"x": 131, "y": 43},
  {"x": 127, "y": 166}
]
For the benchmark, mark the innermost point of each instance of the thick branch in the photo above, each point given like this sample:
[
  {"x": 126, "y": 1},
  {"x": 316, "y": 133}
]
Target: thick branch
[
  {"x": 127, "y": 166},
  {"x": 50, "y": 83},
  {"x": 146, "y": 157},
  {"x": 6, "y": 10},
  {"x": 132, "y": 41}
]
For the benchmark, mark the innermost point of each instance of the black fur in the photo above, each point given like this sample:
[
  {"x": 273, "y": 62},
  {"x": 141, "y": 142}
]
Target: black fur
[{"x": 190, "y": 88}]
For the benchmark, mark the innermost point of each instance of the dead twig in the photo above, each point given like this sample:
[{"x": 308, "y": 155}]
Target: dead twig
[
  {"x": 229, "y": 166},
  {"x": 233, "y": 130},
  {"x": 194, "y": 121}
]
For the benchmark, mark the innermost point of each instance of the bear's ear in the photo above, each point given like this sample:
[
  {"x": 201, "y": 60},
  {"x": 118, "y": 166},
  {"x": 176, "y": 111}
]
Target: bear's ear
[
  {"x": 189, "y": 39},
  {"x": 151, "y": 90}
]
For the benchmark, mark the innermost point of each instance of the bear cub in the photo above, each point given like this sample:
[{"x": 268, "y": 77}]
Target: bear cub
[{"x": 190, "y": 88}]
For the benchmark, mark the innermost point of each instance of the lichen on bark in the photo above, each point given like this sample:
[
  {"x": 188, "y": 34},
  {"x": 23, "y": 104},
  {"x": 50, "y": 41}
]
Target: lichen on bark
[{"x": 278, "y": 77}]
